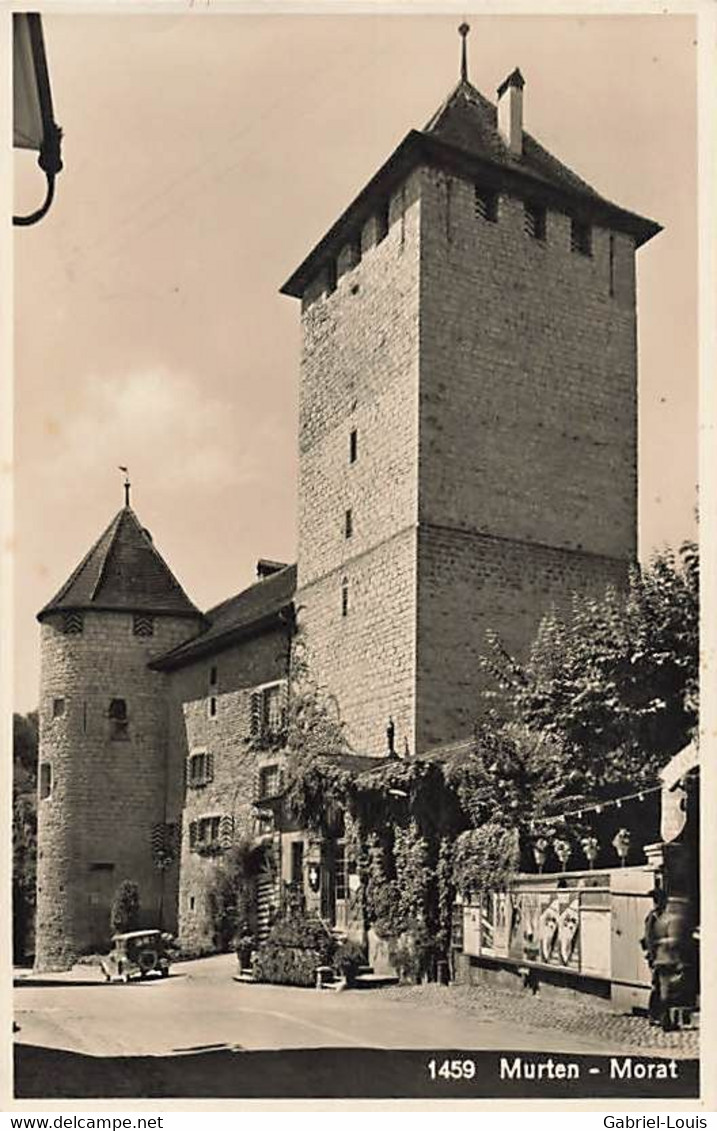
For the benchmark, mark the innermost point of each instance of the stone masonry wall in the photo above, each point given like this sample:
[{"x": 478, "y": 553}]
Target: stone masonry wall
[
  {"x": 527, "y": 477},
  {"x": 366, "y": 659},
  {"x": 359, "y": 371},
  {"x": 240, "y": 669},
  {"x": 528, "y": 377},
  {"x": 472, "y": 583},
  {"x": 95, "y": 827}
]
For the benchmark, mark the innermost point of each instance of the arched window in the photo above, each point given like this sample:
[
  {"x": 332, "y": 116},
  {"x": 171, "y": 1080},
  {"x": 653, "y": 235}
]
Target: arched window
[{"x": 119, "y": 720}]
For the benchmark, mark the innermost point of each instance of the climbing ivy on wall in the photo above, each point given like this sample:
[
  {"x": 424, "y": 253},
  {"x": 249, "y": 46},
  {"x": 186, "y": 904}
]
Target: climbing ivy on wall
[{"x": 484, "y": 858}]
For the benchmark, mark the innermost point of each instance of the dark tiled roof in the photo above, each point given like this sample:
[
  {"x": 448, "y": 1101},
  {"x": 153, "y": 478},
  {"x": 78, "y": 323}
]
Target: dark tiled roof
[
  {"x": 261, "y": 603},
  {"x": 359, "y": 763},
  {"x": 123, "y": 571},
  {"x": 470, "y": 122},
  {"x": 463, "y": 136}
]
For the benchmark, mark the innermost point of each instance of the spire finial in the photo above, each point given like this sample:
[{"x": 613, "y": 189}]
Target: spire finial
[
  {"x": 463, "y": 32},
  {"x": 127, "y": 485}
]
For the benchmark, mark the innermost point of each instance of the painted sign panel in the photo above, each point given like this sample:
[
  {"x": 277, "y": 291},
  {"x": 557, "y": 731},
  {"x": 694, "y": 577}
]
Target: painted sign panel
[
  {"x": 568, "y": 928},
  {"x": 559, "y": 920}
]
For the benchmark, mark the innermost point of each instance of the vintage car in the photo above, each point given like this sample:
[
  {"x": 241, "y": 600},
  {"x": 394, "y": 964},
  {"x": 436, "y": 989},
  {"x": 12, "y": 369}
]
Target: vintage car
[{"x": 137, "y": 954}]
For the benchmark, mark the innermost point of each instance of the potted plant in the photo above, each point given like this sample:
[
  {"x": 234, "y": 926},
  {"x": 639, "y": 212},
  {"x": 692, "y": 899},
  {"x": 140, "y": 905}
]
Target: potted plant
[
  {"x": 244, "y": 949},
  {"x": 348, "y": 961}
]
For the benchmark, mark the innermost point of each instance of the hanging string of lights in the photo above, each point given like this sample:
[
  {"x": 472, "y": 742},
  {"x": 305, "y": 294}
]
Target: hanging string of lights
[{"x": 596, "y": 807}]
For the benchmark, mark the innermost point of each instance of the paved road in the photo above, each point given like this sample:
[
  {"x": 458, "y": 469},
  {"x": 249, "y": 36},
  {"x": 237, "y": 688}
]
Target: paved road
[
  {"x": 200, "y": 1008},
  {"x": 200, "y": 1034}
]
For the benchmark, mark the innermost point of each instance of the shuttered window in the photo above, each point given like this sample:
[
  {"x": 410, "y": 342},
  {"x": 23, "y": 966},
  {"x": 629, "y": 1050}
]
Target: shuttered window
[
  {"x": 269, "y": 782},
  {"x": 485, "y": 204},
  {"x": 268, "y": 712},
  {"x": 534, "y": 221},
  {"x": 581, "y": 240},
  {"x": 204, "y": 833},
  {"x": 200, "y": 769}
]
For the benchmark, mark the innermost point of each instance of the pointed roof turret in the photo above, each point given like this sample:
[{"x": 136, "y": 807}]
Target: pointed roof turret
[{"x": 123, "y": 572}]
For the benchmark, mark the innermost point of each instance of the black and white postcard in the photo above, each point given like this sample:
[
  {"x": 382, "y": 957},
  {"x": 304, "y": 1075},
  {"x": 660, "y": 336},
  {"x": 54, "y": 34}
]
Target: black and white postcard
[{"x": 357, "y": 731}]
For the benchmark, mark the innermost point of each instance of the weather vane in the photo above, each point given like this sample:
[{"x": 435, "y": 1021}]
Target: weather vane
[
  {"x": 463, "y": 32},
  {"x": 126, "y": 485}
]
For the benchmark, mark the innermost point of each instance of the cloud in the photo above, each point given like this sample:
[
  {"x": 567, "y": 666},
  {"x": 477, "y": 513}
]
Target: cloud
[{"x": 161, "y": 424}]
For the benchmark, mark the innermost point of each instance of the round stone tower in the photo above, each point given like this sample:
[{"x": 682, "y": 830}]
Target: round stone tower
[{"x": 105, "y": 771}]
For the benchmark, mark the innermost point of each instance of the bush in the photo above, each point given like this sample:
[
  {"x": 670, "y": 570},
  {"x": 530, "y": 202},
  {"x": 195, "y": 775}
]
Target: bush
[
  {"x": 287, "y": 966},
  {"x": 415, "y": 953},
  {"x": 301, "y": 932},
  {"x": 405, "y": 958},
  {"x": 295, "y": 947},
  {"x": 231, "y": 897},
  {"x": 124, "y": 913}
]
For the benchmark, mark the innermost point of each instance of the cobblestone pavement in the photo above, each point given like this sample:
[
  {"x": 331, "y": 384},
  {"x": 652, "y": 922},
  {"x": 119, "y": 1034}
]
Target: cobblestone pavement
[{"x": 582, "y": 1019}]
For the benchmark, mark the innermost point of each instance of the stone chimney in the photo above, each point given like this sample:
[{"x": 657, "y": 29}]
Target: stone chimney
[
  {"x": 510, "y": 111},
  {"x": 265, "y": 568}
]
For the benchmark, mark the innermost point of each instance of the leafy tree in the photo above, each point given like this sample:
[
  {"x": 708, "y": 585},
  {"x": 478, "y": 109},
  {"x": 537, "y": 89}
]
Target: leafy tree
[
  {"x": 124, "y": 913},
  {"x": 616, "y": 681},
  {"x": 24, "y": 831},
  {"x": 486, "y": 858},
  {"x": 315, "y": 738},
  {"x": 513, "y": 775},
  {"x": 232, "y": 894},
  {"x": 25, "y": 744}
]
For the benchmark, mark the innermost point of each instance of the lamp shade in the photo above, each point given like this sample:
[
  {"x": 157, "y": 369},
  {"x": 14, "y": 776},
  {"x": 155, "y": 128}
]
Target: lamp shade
[
  {"x": 28, "y": 123},
  {"x": 34, "y": 126}
]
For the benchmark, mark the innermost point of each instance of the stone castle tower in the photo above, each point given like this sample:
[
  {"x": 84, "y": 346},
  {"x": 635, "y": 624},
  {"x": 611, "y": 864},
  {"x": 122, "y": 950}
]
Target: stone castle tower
[
  {"x": 468, "y": 419},
  {"x": 468, "y": 460},
  {"x": 104, "y": 761}
]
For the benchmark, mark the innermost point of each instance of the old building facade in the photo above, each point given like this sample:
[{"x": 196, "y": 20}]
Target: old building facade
[{"x": 468, "y": 454}]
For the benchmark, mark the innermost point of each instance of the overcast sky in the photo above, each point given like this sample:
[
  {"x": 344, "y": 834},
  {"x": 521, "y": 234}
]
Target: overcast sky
[{"x": 204, "y": 156}]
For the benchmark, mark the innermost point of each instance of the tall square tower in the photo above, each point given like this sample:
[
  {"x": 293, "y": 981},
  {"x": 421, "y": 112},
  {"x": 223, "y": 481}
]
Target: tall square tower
[{"x": 468, "y": 416}]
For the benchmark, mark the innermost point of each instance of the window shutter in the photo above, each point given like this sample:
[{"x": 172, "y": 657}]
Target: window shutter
[
  {"x": 226, "y": 831},
  {"x": 72, "y": 624},
  {"x": 257, "y": 713},
  {"x": 209, "y": 775},
  {"x": 193, "y": 834}
]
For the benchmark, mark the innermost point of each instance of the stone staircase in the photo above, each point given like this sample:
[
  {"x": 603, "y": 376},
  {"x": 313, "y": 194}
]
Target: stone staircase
[{"x": 366, "y": 979}]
